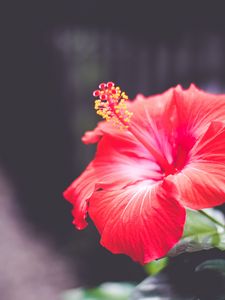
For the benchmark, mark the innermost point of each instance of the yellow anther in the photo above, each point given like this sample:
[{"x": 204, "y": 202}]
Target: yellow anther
[{"x": 112, "y": 105}]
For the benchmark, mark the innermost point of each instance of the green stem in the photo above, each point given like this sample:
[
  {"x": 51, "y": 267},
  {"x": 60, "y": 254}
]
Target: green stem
[{"x": 211, "y": 218}]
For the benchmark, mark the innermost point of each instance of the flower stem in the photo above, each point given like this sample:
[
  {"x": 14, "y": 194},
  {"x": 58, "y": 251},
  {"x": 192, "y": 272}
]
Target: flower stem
[{"x": 211, "y": 218}]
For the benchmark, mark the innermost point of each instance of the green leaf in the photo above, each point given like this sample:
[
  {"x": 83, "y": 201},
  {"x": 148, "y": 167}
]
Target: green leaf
[
  {"x": 106, "y": 291},
  {"x": 217, "y": 265},
  {"x": 156, "y": 266},
  {"x": 157, "y": 287},
  {"x": 73, "y": 294},
  {"x": 201, "y": 232},
  {"x": 221, "y": 244},
  {"x": 198, "y": 286}
]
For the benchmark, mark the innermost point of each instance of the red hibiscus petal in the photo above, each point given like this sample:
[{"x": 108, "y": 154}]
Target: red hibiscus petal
[
  {"x": 78, "y": 193},
  {"x": 120, "y": 161},
  {"x": 196, "y": 109},
  {"x": 93, "y": 136},
  {"x": 202, "y": 182},
  {"x": 173, "y": 121},
  {"x": 153, "y": 120},
  {"x": 143, "y": 220}
]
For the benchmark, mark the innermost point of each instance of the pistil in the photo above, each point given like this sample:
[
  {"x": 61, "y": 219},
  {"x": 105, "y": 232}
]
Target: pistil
[{"x": 112, "y": 106}]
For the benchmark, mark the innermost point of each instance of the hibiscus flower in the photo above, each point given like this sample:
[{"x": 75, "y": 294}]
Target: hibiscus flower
[{"x": 155, "y": 157}]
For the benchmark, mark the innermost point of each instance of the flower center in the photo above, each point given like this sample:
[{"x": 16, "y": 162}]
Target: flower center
[{"x": 112, "y": 106}]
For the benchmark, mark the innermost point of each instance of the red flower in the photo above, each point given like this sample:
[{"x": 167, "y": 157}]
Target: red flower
[{"x": 168, "y": 155}]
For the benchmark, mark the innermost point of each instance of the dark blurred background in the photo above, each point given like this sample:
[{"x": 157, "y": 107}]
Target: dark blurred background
[{"x": 53, "y": 55}]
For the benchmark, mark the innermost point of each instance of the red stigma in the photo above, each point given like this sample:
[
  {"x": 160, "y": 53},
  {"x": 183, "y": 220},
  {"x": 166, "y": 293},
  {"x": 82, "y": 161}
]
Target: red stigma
[
  {"x": 102, "y": 86},
  {"x": 110, "y": 84},
  {"x": 96, "y": 93},
  {"x": 103, "y": 97},
  {"x": 105, "y": 90}
]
